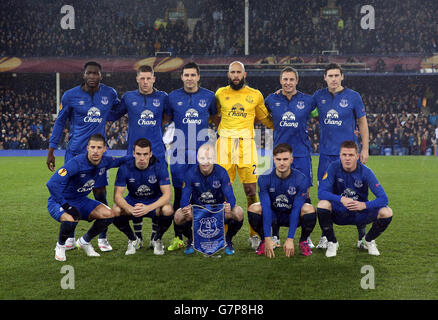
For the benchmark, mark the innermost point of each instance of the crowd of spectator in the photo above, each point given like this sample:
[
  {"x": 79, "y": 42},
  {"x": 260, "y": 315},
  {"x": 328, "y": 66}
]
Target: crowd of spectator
[
  {"x": 288, "y": 27},
  {"x": 396, "y": 119},
  {"x": 394, "y": 134},
  {"x": 139, "y": 28},
  {"x": 25, "y": 120}
]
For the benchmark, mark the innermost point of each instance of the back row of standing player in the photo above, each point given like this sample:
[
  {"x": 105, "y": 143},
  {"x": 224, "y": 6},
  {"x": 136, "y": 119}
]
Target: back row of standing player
[{"x": 233, "y": 108}]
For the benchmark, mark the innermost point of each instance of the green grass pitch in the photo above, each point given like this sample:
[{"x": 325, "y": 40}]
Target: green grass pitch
[{"x": 406, "y": 269}]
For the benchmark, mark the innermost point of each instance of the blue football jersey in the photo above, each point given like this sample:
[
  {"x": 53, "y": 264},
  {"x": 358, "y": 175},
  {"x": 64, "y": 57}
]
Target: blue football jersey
[
  {"x": 282, "y": 196},
  {"x": 87, "y": 115},
  {"x": 190, "y": 113},
  {"x": 337, "y": 118},
  {"x": 337, "y": 183},
  {"x": 215, "y": 188},
  {"x": 290, "y": 120},
  {"x": 143, "y": 184},
  {"x": 145, "y": 116},
  {"x": 77, "y": 177}
]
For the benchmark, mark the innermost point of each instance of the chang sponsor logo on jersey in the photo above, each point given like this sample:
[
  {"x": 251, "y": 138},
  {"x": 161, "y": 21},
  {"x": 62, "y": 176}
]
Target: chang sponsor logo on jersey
[
  {"x": 143, "y": 191},
  {"x": 87, "y": 187},
  {"x": 350, "y": 193},
  {"x": 147, "y": 119},
  {"x": 282, "y": 202},
  {"x": 191, "y": 116},
  {"x": 288, "y": 120},
  {"x": 93, "y": 115},
  {"x": 238, "y": 111},
  {"x": 332, "y": 117},
  {"x": 207, "y": 198}
]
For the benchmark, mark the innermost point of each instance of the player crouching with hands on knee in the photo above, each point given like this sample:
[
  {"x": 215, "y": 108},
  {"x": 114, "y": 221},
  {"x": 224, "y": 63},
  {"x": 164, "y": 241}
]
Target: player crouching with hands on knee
[
  {"x": 282, "y": 194},
  {"x": 147, "y": 180},
  {"x": 343, "y": 194},
  {"x": 208, "y": 183}
]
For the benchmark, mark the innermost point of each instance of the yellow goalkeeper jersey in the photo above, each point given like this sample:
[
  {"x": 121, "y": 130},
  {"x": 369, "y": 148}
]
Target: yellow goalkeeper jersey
[{"x": 239, "y": 109}]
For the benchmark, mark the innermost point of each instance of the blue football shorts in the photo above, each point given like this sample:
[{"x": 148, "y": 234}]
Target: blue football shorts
[
  {"x": 324, "y": 162},
  {"x": 342, "y": 216},
  {"x": 304, "y": 165},
  {"x": 85, "y": 206}
]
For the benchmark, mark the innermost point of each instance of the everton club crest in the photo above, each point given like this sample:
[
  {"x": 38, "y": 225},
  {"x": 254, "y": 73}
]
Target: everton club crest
[{"x": 208, "y": 228}]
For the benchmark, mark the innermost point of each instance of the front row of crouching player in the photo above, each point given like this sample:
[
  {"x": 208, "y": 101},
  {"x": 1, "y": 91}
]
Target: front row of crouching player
[{"x": 343, "y": 194}]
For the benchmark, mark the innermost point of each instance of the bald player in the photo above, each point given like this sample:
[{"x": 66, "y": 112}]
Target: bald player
[{"x": 238, "y": 106}]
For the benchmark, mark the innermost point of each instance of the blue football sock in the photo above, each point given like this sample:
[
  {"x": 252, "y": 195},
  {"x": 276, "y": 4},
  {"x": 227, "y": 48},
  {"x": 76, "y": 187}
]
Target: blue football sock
[
  {"x": 326, "y": 223},
  {"x": 164, "y": 223},
  {"x": 176, "y": 204},
  {"x": 308, "y": 222},
  {"x": 65, "y": 230},
  {"x": 256, "y": 222},
  {"x": 377, "y": 228},
  {"x": 137, "y": 223},
  {"x": 101, "y": 197},
  {"x": 97, "y": 228},
  {"x": 122, "y": 223},
  {"x": 233, "y": 227}
]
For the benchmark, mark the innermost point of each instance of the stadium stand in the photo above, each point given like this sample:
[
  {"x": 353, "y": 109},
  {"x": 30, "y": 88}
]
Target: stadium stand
[{"x": 400, "y": 123}]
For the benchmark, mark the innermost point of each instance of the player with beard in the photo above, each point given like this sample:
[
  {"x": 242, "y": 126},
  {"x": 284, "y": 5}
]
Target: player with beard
[{"x": 239, "y": 106}]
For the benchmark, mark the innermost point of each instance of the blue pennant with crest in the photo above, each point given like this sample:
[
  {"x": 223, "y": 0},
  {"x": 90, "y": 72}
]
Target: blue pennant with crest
[{"x": 208, "y": 228}]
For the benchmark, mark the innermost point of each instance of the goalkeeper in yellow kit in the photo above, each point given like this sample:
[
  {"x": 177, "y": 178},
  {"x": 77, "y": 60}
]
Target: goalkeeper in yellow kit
[{"x": 239, "y": 106}]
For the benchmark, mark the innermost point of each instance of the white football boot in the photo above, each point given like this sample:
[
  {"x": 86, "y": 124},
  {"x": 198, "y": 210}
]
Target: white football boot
[
  {"x": 87, "y": 247},
  {"x": 158, "y": 247},
  {"x": 70, "y": 244},
  {"x": 332, "y": 248},
  {"x": 372, "y": 247},
  {"x": 255, "y": 242},
  {"x": 104, "y": 245},
  {"x": 60, "y": 252}
]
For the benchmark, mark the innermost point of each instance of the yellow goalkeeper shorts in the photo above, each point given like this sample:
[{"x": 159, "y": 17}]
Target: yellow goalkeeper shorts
[{"x": 238, "y": 154}]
